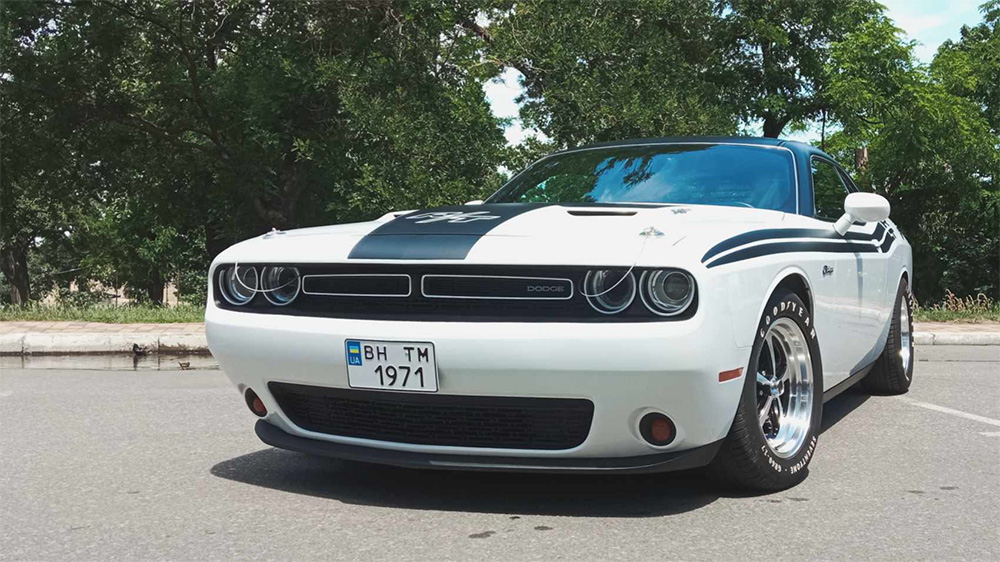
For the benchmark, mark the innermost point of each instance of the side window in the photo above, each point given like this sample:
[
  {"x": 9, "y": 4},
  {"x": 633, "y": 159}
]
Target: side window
[{"x": 828, "y": 190}]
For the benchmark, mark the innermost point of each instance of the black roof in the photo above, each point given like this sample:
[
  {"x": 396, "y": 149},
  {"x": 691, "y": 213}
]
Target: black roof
[{"x": 731, "y": 140}]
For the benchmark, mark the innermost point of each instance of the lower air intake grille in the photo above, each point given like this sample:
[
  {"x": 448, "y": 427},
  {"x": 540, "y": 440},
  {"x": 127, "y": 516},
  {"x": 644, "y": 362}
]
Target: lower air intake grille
[{"x": 459, "y": 421}]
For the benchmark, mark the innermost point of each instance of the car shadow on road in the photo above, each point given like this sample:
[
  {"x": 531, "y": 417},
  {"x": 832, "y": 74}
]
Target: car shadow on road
[
  {"x": 647, "y": 495},
  {"x": 481, "y": 492},
  {"x": 838, "y": 408}
]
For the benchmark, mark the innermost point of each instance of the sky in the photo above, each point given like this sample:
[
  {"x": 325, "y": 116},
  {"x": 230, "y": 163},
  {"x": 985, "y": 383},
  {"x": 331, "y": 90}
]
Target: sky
[{"x": 928, "y": 22}]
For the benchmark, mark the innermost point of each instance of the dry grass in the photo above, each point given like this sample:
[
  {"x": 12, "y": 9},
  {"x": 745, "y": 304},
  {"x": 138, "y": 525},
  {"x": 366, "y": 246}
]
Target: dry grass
[{"x": 978, "y": 309}]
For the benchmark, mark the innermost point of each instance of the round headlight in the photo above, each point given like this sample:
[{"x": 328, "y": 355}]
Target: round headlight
[
  {"x": 238, "y": 284},
  {"x": 667, "y": 292},
  {"x": 280, "y": 285},
  {"x": 609, "y": 291}
]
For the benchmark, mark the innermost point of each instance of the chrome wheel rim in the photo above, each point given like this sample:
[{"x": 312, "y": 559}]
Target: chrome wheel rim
[
  {"x": 785, "y": 391},
  {"x": 905, "y": 349}
]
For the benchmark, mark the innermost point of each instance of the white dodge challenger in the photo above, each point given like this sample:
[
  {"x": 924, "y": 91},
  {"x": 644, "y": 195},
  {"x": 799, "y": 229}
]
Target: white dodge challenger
[{"x": 638, "y": 306}]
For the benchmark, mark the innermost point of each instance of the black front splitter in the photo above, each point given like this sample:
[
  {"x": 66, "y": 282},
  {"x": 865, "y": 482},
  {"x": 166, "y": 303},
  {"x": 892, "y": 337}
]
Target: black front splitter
[{"x": 659, "y": 462}]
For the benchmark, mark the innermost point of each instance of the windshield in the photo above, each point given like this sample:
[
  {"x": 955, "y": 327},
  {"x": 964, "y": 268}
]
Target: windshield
[{"x": 699, "y": 174}]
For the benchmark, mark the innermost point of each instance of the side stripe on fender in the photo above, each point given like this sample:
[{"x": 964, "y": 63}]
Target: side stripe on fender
[
  {"x": 774, "y": 233},
  {"x": 796, "y": 246},
  {"x": 878, "y": 241}
]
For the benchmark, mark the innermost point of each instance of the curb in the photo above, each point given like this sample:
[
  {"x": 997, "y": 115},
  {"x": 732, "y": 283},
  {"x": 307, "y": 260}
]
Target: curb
[
  {"x": 100, "y": 344},
  {"x": 104, "y": 344},
  {"x": 956, "y": 338}
]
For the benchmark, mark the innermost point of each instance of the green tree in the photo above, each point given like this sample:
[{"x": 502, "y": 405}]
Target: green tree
[
  {"x": 930, "y": 147},
  {"x": 606, "y": 70},
  {"x": 207, "y": 122},
  {"x": 777, "y": 54}
]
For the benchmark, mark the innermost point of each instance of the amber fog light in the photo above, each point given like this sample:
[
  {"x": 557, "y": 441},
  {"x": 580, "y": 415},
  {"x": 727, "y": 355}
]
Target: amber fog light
[
  {"x": 657, "y": 429},
  {"x": 255, "y": 404}
]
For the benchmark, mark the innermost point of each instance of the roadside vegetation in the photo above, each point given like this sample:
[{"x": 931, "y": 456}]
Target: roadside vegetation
[
  {"x": 976, "y": 309},
  {"x": 112, "y": 314},
  {"x": 980, "y": 308},
  {"x": 140, "y": 139}
]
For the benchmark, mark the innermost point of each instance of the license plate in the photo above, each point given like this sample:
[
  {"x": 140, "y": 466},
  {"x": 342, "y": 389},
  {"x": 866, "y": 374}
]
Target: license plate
[{"x": 391, "y": 365}]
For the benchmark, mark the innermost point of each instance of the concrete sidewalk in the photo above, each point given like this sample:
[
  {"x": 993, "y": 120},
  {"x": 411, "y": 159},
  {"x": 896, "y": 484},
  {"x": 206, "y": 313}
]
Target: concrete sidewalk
[
  {"x": 59, "y": 338},
  {"x": 66, "y": 338}
]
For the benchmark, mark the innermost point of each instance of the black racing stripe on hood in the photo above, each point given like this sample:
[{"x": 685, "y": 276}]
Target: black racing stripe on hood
[
  {"x": 776, "y": 233},
  {"x": 440, "y": 233}
]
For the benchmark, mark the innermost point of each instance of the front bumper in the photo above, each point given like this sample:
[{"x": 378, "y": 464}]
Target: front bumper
[
  {"x": 660, "y": 462},
  {"x": 625, "y": 369}
]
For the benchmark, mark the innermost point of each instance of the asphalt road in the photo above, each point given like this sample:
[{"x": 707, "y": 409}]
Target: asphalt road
[{"x": 164, "y": 465}]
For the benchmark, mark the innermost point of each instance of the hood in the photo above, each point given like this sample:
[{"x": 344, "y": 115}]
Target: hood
[{"x": 526, "y": 233}]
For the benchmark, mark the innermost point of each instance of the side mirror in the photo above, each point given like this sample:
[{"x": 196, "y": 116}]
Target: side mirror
[
  {"x": 865, "y": 207},
  {"x": 474, "y": 202}
]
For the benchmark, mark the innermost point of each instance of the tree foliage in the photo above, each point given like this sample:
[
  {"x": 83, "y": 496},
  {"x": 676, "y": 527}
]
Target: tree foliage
[
  {"x": 933, "y": 147},
  {"x": 139, "y": 138},
  {"x": 206, "y": 122}
]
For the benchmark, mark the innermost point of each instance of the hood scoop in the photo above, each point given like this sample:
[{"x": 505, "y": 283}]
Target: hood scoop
[{"x": 600, "y": 213}]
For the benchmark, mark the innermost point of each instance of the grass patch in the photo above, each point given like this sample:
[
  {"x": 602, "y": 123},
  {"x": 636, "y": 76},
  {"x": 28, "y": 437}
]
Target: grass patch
[
  {"x": 972, "y": 310},
  {"x": 123, "y": 314}
]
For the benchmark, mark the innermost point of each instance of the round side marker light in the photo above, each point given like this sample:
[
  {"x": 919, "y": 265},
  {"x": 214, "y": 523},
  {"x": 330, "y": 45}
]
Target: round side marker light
[
  {"x": 657, "y": 429},
  {"x": 255, "y": 404}
]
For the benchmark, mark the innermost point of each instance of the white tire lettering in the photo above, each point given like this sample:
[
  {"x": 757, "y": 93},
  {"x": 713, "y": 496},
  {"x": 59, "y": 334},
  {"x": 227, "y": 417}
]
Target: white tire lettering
[{"x": 805, "y": 458}]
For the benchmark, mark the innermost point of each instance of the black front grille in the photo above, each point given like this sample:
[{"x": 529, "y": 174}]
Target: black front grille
[
  {"x": 357, "y": 285},
  {"x": 436, "y": 419}
]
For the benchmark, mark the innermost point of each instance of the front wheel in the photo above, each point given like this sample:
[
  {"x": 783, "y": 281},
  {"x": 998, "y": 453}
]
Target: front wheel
[{"x": 777, "y": 421}]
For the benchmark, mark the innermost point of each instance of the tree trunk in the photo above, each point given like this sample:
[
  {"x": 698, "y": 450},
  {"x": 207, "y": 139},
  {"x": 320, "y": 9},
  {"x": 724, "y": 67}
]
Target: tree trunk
[
  {"x": 215, "y": 243},
  {"x": 773, "y": 126},
  {"x": 14, "y": 264},
  {"x": 154, "y": 290},
  {"x": 860, "y": 159}
]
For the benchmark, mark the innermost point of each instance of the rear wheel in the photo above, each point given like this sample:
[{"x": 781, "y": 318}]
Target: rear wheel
[
  {"x": 774, "y": 432},
  {"x": 893, "y": 370}
]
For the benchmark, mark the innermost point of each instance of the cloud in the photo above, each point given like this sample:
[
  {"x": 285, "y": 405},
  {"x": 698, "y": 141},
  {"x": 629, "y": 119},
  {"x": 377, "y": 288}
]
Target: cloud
[
  {"x": 501, "y": 94},
  {"x": 916, "y": 24}
]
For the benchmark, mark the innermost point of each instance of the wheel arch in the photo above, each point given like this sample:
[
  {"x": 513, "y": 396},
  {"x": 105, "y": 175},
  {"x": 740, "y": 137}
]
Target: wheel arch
[
  {"x": 793, "y": 278},
  {"x": 798, "y": 284}
]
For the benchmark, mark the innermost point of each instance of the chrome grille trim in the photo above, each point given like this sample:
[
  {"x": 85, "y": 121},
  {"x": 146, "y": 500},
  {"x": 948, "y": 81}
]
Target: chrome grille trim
[{"x": 568, "y": 296}]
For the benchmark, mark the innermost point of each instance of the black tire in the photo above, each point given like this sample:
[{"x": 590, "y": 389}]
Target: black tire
[
  {"x": 745, "y": 460},
  {"x": 889, "y": 375}
]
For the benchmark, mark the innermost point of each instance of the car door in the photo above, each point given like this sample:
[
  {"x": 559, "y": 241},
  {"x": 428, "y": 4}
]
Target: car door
[
  {"x": 846, "y": 286},
  {"x": 876, "y": 302}
]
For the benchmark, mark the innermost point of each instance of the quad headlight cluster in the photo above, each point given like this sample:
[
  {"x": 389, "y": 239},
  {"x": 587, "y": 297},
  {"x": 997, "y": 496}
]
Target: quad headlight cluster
[
  {"x": 239, "y": 284},
  {"x": 665, "y": 292}
]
